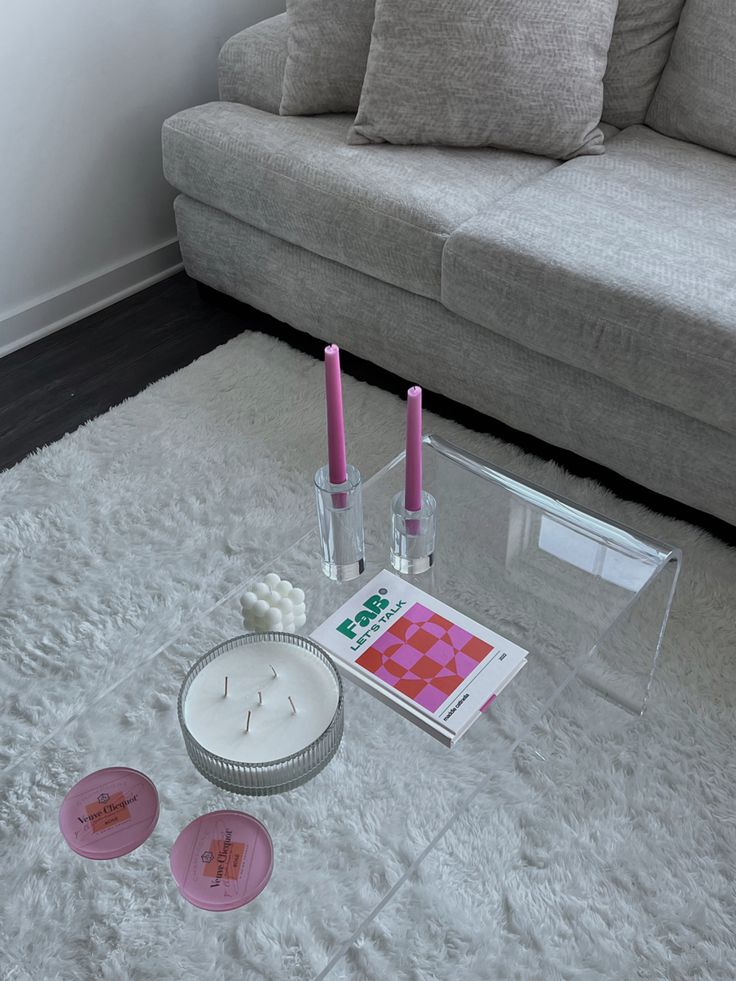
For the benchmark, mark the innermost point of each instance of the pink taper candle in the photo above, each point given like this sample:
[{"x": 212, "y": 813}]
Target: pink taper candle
[
  {"x": 335, "y": 424},
  {"x": 413, "y": 485}
]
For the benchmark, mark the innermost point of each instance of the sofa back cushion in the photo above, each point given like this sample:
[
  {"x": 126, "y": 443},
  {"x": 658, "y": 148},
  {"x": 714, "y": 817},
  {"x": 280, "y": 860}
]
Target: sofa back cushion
[
  {"x": 696, "y": 97},
  {"x": 328, "y": 42},
  {"x": 641, "y": 42}
]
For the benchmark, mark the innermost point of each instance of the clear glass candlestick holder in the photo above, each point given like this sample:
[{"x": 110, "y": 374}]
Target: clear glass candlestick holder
[
  {"x": 340, "y": 514},
  {"x": 413, "y": 535}
]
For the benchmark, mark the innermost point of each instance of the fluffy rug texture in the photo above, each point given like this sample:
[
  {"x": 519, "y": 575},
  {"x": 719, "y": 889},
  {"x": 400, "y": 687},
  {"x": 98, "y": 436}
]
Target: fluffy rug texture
[{"x": 601, "y": 850}]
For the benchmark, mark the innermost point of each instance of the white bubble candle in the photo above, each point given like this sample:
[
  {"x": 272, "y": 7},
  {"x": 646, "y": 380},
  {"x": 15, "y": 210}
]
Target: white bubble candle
[{"x": 274, "y": 604}]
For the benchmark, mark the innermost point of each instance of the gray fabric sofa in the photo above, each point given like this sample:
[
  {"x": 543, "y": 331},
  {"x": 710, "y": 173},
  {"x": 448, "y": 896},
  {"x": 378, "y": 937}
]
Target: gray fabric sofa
[{"x": 590, "y": 303}]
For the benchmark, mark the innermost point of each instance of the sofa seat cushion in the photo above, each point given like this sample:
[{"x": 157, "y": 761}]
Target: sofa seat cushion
[
  {"x": 623, "y": 265},
  {"x": 383, "y": 210}
]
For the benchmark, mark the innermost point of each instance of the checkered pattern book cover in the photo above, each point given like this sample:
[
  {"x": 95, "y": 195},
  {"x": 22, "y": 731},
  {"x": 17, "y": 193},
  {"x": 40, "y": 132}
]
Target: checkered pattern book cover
[
  {"x": 413, "y": 650},
  {"x": 425, "y": 656}
]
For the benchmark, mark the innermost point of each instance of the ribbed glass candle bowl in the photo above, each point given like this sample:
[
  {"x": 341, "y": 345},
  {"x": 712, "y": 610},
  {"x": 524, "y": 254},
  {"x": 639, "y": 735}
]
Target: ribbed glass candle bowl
[{"x": 277, "y": 776}]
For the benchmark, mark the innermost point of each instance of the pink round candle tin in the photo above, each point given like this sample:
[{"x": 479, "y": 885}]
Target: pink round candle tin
[
  {"x": 109, "y": 813},
  {"x": 222, "y": 860}
]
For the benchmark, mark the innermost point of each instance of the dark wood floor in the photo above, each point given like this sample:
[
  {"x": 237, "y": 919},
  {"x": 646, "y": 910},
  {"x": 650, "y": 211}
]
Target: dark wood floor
[{"x": 54, "y": 385}]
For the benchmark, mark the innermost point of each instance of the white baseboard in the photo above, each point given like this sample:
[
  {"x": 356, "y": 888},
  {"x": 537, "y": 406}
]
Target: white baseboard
[{"x": 57, "y": 310}]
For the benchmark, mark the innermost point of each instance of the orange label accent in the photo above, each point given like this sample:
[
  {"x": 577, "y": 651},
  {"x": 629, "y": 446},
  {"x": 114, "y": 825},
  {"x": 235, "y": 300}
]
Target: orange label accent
[
  {"x": 110, "y": 816},
  {"x": 225, "y": 864}
]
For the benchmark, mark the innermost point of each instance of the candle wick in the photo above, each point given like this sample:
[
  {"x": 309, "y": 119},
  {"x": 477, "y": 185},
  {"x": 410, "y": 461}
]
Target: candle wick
[
  {"x": 274, "y": 670},
  {"x": 293, "y": 706},
  {"x": 247, "y": 723}
]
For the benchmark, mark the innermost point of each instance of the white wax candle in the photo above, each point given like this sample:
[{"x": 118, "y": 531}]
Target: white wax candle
[{"x": 218, "y": 722}]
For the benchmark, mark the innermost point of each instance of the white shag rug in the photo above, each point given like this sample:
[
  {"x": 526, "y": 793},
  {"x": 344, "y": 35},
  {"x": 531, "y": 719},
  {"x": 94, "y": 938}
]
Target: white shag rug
[{"x": 612, "y": 858}]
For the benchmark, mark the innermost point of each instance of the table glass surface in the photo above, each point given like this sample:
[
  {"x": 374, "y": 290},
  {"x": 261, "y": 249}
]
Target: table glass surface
[{"x": 584, "y": 596}]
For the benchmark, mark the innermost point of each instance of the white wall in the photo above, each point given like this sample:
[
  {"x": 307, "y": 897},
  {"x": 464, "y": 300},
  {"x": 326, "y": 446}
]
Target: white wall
[{"x": 85, "y": 214}]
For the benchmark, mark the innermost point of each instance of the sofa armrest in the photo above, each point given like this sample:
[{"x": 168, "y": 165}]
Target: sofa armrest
[{"x": 251, "y": 67}]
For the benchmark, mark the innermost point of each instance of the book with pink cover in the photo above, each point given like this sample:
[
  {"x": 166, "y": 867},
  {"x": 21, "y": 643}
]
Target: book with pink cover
[{"x": 430, "y": 662}]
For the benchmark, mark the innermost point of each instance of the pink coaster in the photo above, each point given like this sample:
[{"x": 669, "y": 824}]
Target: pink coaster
[
  {"x": 109, "y": 813},
  {"x": 222, "y": 860}
]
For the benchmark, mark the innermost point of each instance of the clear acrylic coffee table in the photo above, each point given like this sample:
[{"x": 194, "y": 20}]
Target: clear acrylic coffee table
[{"x": 587, "y": 598}]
